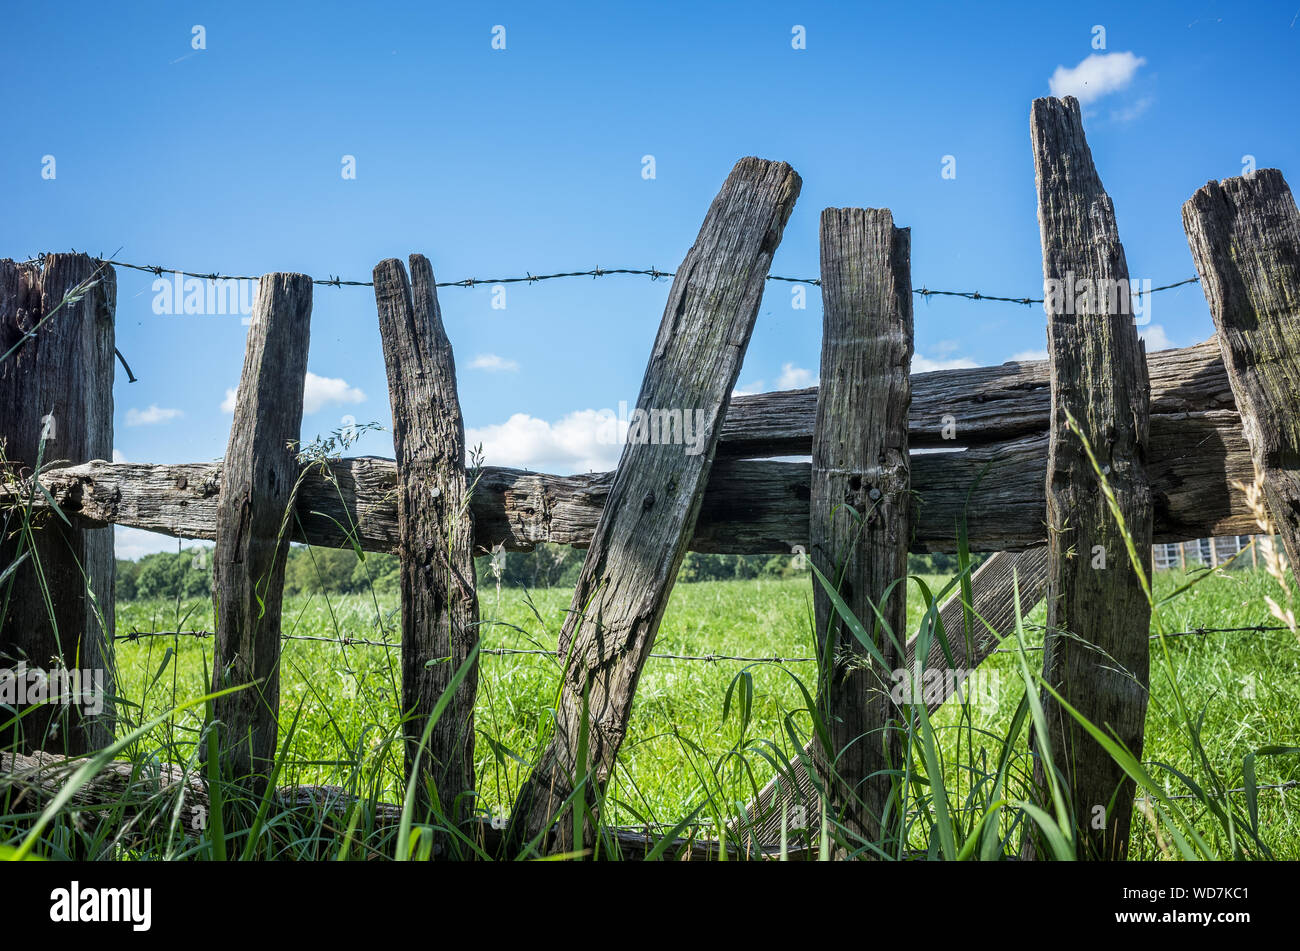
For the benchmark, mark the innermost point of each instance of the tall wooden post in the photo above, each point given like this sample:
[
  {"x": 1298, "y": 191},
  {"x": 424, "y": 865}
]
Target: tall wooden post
[
  {"x": 1095, "y": 650},
  {"x": 647, "y": 522},
  {"x": 56, "y": 389},
  {"x": 436, "y": 527},
  {"x": 860, "y": 507},
  {"x": 254, "y": 525},
  {"x": 1245, "y": 236}
]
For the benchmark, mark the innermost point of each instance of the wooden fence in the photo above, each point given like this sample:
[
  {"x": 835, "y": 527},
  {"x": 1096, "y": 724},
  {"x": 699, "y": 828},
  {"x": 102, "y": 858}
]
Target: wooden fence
[{"x": 1014, "y": 451}]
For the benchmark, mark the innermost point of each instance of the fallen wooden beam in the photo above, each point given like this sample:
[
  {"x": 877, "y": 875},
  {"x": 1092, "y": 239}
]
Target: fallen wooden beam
[
  {"x": 751, "y": 506},
  {"x": 146, "y": 798}
]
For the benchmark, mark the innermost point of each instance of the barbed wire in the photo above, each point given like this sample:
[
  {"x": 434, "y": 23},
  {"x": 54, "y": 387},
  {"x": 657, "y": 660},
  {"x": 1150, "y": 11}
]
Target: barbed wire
[
  {"x": 709, "y": 658},
  {"x": 529, "y": 278},
  {"x": 496, "y": 651}
]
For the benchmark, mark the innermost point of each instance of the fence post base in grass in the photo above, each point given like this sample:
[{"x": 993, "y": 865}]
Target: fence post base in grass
[
  {"x": 860, "y": 512},
  {"x": 56, "y": 401},
  {"x": 440, "y": 615},
  {"x": 259, "y": 481},
  {"x": 1096, "y": 649},
  {"x": 1245, "y": 237}
]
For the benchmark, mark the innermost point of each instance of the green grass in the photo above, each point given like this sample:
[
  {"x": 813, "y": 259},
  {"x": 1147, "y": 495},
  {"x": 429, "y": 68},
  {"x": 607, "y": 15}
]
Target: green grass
[{"x": 1245, "y": 685}]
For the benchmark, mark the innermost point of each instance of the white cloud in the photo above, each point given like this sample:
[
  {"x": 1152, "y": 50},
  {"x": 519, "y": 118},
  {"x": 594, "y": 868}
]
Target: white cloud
[
  {"x": 1129, "y": 113},
  {"x": 1098, "y": 75},
  {"x": 493, "y": 363},
  {"x": 922, "y": 364},
  {"x": 583, "y": 441},
  {"x": 748, "y": 389},
  {"x": 1155, "y": 337},
  {"x": 1026, "y": 355},
  {"x": 135, "y": 543},
  {"x": 154, "y": 414},
  {"x": 119, "y": 456},
  {"x": 321, "y": 391},
  {"x": 795, "y": 378},
  {"x": 318, "y": 392}
]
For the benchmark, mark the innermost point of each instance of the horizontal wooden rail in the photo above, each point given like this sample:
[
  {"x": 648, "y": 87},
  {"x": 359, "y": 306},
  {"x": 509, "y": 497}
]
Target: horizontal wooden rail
[
  {"x": 751, "y": 506},
  {"x": 972, "y": 407}
]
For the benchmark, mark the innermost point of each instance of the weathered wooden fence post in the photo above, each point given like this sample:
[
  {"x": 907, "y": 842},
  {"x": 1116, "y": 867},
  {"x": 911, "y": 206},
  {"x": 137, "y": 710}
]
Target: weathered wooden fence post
[
  {"x": 860, "y": 508},
  {"x": 1096, "y": 649},
  {"x": 259, "y": 480},
  {"x": 56, "y": 387},
  {"x": 436, "y": 527},
  {"x": 648, "y": 519},
  {"x": 1245, "y": 236}
]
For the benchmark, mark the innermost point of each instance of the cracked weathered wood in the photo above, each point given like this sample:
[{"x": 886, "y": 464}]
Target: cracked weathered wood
[
  {"x": 254, "y": 525},
  {"x": 58, "y": 383},
  {"x": 859, "y": 509},
  {"x": 435, "y": 535},
  {"x": 984, "y": 404},
  {"x": 1245, "y": 236},
  {"x": 1095, "y": 647},
  {"x": 993, "y": 589},
  {"x": 651, "y": 509},
  {"x": 749, "y": 507}
]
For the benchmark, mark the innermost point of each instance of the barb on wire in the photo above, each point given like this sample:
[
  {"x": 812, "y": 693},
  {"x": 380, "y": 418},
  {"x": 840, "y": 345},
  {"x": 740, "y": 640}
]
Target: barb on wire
[{"x": 529, "y": 278}]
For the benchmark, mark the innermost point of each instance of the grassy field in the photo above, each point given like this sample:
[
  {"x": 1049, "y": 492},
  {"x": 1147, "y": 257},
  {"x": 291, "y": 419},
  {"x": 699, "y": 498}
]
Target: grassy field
[{"x": 681, "y": 754}]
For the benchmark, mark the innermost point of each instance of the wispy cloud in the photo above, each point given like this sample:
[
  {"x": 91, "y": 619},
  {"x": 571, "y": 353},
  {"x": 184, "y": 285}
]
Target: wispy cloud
[
  {"x": 318, "y": 392},
  {"x": 922, "y": 364},
  {"x": 1098, "y": 75},
  {"x": 493, "y": 363},
  {"x": 149, "y": 417},
  {"x": 795, "y": 378},
  {"x": 1155, "y": 337},
  {"x": 322, "y": 391},
  {"x": 1026, "y": 355}
]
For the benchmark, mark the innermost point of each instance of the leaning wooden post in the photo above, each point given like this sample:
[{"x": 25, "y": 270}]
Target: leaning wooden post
[
  {"x": 1245, "y": 236},
  {"x": 860, "y": 508},
  {"x": 56, "y": 388},
  {"x": 1095, "y": 650},
  {"x": 647, "y": 522},
  {"x": 259, "y": 480},
  {"x": 436, "y": 528}
]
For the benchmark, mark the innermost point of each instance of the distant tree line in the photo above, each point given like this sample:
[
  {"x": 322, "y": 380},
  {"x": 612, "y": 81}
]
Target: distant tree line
[{"x": 188, "y": 574}]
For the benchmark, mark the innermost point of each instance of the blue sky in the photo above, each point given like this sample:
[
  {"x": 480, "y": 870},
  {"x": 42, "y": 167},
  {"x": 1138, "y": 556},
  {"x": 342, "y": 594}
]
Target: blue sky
[{"x": 497, "y": 162}]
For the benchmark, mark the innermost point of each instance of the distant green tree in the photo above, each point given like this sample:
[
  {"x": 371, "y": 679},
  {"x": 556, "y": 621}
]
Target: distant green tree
[{"x": 186, "y": 574}]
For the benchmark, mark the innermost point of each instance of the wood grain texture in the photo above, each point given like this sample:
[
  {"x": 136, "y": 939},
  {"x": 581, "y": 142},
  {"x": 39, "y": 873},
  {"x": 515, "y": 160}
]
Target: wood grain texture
[
  {"x": 254, "y": 514},
  {"x": 1245, "y": 237},
  {"x": 984, "y": 404},
  {"x": 435, "y": 528},
  {"x": 750, "y": 506},
  {"x": 993, "y": 589},
  {"x": 64, "y": 372},
  {"x": 1095, "y": 649},
  {"x": 652, "y": 506},
  {"x": 860, "y": 508}
]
